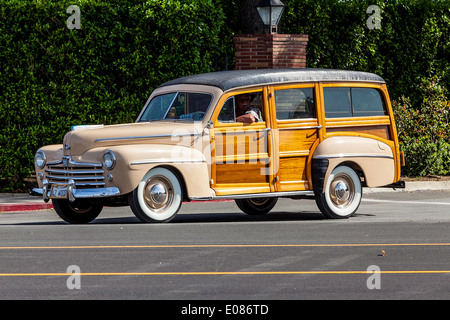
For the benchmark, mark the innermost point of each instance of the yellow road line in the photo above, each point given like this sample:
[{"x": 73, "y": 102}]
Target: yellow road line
[
  {"x": 225, "y": 246},
  {"x": 218, "y": 273}
]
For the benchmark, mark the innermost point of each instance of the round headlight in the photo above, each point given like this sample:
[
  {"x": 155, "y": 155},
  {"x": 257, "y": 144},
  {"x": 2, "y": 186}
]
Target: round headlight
[
  {"x": 40, "y": 159},
  {"x": 109, "y": 160}
]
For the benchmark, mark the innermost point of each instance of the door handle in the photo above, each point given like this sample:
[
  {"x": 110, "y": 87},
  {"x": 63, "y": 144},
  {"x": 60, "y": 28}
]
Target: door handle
[{"x": 268, "y": 130}]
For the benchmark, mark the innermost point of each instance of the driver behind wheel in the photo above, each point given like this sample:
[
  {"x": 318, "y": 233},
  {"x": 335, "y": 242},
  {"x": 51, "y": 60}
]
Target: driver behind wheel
[{"x": 245, "y": 112}]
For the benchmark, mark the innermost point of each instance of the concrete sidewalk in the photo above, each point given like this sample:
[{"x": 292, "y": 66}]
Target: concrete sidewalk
[{"x": 15, "y": 202}]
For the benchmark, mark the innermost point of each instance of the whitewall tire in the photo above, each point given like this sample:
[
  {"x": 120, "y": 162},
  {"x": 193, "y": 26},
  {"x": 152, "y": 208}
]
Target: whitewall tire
[
  {"x": 342, "y": 194},
  {"x": 158, "y": 196}
]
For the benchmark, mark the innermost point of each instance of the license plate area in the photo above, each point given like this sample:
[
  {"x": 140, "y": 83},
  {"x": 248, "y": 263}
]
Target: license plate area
[{"x": 58, "y": 192}]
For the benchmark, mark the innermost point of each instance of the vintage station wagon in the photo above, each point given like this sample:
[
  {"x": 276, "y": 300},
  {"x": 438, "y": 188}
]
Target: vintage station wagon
[{"x": 252, "y": 135}]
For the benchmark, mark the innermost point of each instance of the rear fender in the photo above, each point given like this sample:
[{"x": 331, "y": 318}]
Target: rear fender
[{"x": 372, "y": 158}]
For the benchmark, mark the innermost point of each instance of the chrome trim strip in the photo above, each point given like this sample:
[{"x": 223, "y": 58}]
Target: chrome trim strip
[
  {"x": 224, "y": 131},
  {"x": 84, "y": 184},
  {"x": 75, "y": 178},
  {"x": 75, "y": 171},
  {"x": 149, "y": 137},
  {"x": 352, "y": 156},
  {"x": 166, "y": 161},
  {"x": 257, "y": 195},
  {"x": 300, "y": 128},
  {"x": 68, "y": 162},
  {"x": 78, "y": 184},
  {"x": 55, "y": 163}
]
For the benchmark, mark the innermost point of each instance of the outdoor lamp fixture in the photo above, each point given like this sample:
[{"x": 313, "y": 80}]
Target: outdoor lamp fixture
[{"x": 270, "y": 12}]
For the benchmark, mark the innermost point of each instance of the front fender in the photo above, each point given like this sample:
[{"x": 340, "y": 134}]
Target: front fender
[{"x": 134, "y": 161}]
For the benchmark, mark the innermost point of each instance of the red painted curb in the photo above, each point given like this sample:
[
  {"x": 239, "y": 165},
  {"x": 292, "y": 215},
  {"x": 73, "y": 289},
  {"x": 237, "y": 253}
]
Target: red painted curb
[{"x": 11, "y": 207}]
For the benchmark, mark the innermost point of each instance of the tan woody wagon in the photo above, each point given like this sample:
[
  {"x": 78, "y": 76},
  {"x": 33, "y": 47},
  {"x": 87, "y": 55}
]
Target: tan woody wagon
[{"x": 253, "y": 136}]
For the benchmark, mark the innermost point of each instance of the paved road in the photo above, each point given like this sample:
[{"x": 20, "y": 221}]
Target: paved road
[{"x": 212, "y": 251}]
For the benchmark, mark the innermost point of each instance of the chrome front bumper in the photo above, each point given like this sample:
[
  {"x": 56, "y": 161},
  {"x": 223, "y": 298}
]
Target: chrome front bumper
[{"x": 72, "y": 193}]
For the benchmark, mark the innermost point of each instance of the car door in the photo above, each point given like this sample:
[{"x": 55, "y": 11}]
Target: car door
[
  {"x": 242, "y": 152},
  {"x": 296, "y": 129}
]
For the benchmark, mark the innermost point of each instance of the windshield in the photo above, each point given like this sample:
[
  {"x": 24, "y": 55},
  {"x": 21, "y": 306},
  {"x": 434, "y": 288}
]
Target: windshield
[{"x": 177, "y": 105}]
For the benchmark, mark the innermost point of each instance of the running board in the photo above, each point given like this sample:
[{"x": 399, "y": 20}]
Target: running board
[
  {"x": 286, "y": 194},
  {"x": 396, "y": 185}
]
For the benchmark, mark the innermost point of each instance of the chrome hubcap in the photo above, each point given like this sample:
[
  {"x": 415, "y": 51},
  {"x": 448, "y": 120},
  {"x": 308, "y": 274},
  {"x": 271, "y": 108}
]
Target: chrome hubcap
[
  {"x": 158, "y": 193},
  {"x": 342, "y": 190}
]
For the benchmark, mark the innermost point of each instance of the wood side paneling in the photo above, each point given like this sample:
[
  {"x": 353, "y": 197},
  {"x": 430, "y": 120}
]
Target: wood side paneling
[
  {"x": 296, "y": 140},
  {"x": 293, "y": 174},
  {"x": 231, "y": 144},
  {"x": 381, "y": 131},
  {"x": 245, "y": 173}
]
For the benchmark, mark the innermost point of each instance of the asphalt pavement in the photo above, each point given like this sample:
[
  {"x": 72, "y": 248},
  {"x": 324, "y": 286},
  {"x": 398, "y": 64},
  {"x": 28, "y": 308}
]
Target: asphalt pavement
[
  {"x": 212, "y": 251},
  {"x": 12, "y": 202}
]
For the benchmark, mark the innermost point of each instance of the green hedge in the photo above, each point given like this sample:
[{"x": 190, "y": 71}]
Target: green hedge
[
  {"x": 411, "y": 51},
  {"x": 424, "y": 132},
  {"x": 54, "y": 77},
  {"x": 413, "y": 42}
]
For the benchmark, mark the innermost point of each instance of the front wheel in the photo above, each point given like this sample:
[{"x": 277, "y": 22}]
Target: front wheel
[
  {"x": 256, "y": 206},
  {"x": 158, "y": 196},
  {"x": 77, "y": 213},
  {"x": 342, "y": 194}
]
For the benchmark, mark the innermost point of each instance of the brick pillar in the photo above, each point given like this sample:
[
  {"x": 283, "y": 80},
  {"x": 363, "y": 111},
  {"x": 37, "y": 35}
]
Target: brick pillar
[{"x": 273, "y": 51}]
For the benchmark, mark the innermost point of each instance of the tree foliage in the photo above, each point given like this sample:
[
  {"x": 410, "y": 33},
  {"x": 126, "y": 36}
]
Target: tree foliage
[
  {"x": 54, "y": 77},
  {"x": 411, "y": 51},
  {"x": 424, "y": 132},
  {"x": 412, "y": 43}
]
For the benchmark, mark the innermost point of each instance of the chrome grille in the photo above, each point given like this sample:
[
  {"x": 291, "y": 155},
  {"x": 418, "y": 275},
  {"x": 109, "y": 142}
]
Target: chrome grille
[{"x": 85, "y": 175}]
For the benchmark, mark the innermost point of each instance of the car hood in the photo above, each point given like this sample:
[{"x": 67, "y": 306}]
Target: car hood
[{"x": 84, "y": 138}]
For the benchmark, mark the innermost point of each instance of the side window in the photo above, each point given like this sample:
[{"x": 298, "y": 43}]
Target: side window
[
  {"x": 241, "y": 106},
  {"x": 367, "y": 102},
  {"x": 353, "y": 102},
  {"x": 337, "y": 102},
  {"x": 294, "y": 103}
]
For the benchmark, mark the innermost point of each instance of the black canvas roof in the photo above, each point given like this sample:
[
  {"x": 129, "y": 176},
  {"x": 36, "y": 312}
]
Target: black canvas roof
[{"x": 227, "y": 80}]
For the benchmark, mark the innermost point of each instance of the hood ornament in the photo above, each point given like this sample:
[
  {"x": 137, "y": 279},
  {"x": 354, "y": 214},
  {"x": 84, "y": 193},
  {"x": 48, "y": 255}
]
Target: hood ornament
[{"x": 66, "y": 160}]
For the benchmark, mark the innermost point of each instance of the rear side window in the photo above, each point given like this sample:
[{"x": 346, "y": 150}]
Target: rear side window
[
  {"x": 353, "y": 102},
  {"x": 337, "y": 102},
  {"x": 367, "y": 102},
  {"x": 294, "y": 103}
]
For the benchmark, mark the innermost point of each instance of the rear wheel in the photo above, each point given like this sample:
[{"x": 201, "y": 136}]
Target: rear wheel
[
  {"x": 158, "y": 196},
  {"x": 256, "y": 206},
  {"x": 77, "y": 213},
  {"x": 342, "y": 194}
]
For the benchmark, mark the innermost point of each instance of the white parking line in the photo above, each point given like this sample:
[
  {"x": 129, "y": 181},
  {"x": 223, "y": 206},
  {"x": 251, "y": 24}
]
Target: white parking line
[{"x": 409, "y": 202}]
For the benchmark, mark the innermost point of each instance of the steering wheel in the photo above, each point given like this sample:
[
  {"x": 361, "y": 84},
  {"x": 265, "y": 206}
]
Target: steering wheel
[{"x": 198, "y": 115}]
